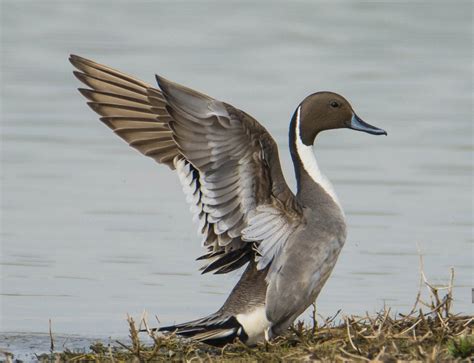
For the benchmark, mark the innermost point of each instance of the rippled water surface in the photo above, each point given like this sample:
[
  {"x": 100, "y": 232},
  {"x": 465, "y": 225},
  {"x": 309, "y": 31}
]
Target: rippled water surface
[{"x": 91, "y": 230}]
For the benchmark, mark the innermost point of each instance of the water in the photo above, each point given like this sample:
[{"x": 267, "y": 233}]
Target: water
[{"x": 91, "y": 230}]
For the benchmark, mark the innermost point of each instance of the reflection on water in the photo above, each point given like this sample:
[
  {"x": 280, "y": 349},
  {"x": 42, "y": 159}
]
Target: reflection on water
[{"x": 91, "y": 230}]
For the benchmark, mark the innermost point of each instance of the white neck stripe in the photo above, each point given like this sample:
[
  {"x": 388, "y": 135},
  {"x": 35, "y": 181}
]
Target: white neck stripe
[{"x": 310, "y": 164}]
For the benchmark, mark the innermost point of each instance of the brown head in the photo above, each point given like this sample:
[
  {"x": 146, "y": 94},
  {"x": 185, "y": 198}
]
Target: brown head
[{"x": 325, "y": 111}]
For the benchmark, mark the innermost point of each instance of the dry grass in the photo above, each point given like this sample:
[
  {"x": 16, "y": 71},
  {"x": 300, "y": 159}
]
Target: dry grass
[{"x": 429, "y": 332}]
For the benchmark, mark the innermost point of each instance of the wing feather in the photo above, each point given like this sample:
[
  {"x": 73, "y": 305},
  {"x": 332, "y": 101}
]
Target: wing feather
[
  {"x": 226, "y": 161},
  {"x": 127, "y": 108}
]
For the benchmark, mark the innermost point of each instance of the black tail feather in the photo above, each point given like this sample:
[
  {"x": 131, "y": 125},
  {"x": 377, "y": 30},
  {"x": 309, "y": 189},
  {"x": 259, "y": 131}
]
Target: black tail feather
[
  {"x": 213, "y": 330},
  {"x": 230, "y": 261}
]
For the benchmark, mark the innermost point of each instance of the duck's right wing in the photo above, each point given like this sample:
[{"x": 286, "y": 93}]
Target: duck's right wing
[
  {"x": 232, "y": 176},
  {"x": 227, "y": 162}
]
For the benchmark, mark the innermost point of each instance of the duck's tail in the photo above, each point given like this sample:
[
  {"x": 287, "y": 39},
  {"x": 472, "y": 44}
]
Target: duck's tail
[
  {"x": 214, "y": 329},
  {"x": 242, "y": 316}
]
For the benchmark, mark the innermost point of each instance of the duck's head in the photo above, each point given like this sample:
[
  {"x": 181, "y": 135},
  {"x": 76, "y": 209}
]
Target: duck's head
[{"x": 326, "y": 111}]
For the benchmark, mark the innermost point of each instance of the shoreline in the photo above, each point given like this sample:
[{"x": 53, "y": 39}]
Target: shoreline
[{"x": 430, "y": 331}]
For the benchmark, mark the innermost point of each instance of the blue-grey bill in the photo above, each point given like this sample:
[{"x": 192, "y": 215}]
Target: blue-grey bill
[{"x": 360, "y": 125}]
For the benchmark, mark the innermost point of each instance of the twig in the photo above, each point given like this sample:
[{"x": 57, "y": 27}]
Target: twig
[
  {"x": 51, "y": 346},
  {"x": 136, "y": 345},
  {"x": 313, "y": 318},
  {"x": 354, "y": 355},
  {"x": 408, "y": 329},
  {"x": 468, "y": 322},
  {"x": 450, "y": 292},
  {"x": 124, "y": 346},
  {"x": 142, "y": 318},
  {"x": 349, "y": 336},
  {"x": 380, "y": 354},
  {"x": 385, "y": 315},
  {"x": 328, "y": 321}
]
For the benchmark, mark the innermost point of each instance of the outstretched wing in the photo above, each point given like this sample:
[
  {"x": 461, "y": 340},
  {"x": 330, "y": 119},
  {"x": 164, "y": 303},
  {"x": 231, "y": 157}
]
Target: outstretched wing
[{"x": 227, "y": 162}]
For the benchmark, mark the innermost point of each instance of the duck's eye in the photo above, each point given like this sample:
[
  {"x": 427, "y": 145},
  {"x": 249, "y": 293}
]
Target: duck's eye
[{"x": 334, "y": 104}]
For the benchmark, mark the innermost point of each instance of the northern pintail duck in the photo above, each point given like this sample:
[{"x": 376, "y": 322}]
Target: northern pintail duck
[{"x": 230, "y": 171}]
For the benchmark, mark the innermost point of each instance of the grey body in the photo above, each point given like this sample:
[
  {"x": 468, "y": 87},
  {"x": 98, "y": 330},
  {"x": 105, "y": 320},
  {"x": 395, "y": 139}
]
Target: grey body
[
  {"x": 308, "y": 258},
  {"x": 230, "y": 171},
  {"x": 307, "y": 261}
]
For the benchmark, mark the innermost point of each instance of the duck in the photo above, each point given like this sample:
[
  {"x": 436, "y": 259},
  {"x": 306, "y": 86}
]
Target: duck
[{"x": 247, "y": 215}]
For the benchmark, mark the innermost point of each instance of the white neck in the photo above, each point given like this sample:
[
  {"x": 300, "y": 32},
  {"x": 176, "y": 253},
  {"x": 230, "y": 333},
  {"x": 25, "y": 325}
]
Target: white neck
[{"x": 310, "y": 164}]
